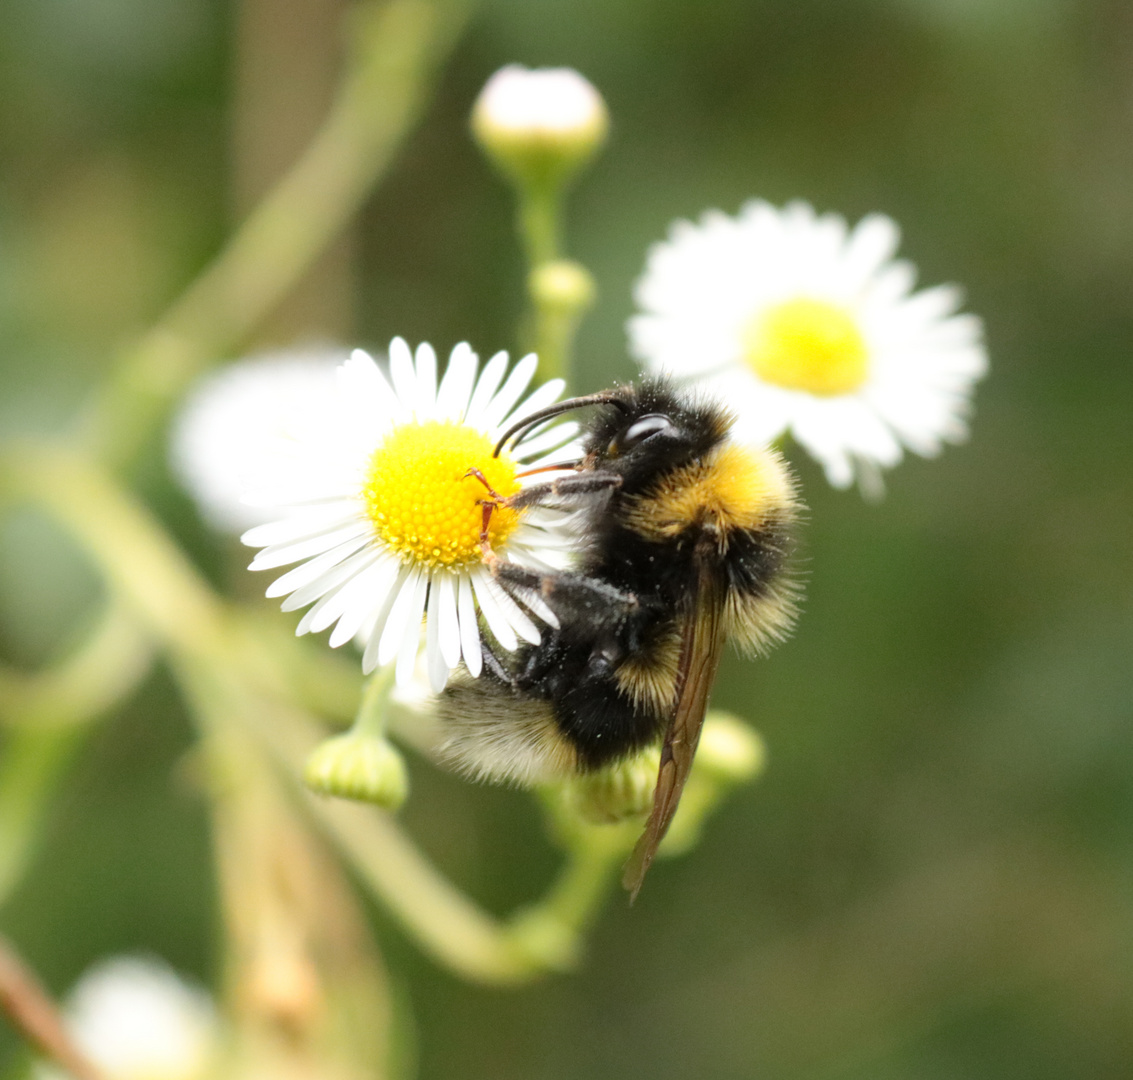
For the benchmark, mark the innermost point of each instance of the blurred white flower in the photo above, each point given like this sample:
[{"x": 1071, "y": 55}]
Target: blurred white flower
[
  {"x": 804, "y": 325},
  {"x": 377, "y": 505},
  {"x": 228, "y": 432},
  {"x": 541, "y": 123},
  {"x": 136, "y": 1019}
]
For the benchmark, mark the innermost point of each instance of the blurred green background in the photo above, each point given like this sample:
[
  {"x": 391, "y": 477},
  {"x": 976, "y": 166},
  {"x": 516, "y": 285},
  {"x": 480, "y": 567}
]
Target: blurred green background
[{"x": 935, "y": 878}]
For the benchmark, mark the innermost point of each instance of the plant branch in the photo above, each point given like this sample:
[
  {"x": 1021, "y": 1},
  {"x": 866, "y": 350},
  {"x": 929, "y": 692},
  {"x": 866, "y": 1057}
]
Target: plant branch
[
  {"x": 397, "y": 49},
  {"x": 36, "y": 1016}
]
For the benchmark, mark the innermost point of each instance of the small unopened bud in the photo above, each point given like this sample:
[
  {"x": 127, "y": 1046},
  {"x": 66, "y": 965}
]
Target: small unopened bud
[
  {"x": 730, "y": 750},
  {"x": 358, "y": 765},
  {"x": 615, "y": 793},
  {"x": 539, "y": 126},
  {"x": 561, "y": 287}
]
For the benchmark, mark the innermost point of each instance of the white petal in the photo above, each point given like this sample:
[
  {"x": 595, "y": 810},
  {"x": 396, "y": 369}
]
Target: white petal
[
  {"x": 539, "y": 606},
  {"x": 373, "y": 628},
  {"x": 511, "y": 390},
  {"x": 393, "y": 630},
  {"x": 282, "y": 554},
  {"x": 334, "y": 577},
  {"x": 456, "y": 386},
  {"x": 448, "y": 627},
  {"x": 313, "y": 568},
  {"x": 485, "y": 387},
  {"x": 309, "y": 521},
  {"x": 426, "y": 381},
  {"x": 493, "y": 615},
  {"x": 523, "y": 626},
  {"x": 411, "y": 642},
  {"x": 403, "y": 373},
  {"x": 438, "y": 669},
  {"x": 371, "y": 594},
  {"x": 551, "y": 439},
  {"x": 538, "y": 399},
  {"x": 469, "y": 627},
  {"x": 360, "y": 375}
]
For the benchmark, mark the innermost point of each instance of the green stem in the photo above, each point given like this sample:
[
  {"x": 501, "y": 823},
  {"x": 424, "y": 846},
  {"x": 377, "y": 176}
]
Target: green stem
[
  {"x": 30, "y": 767},
  {"x": 398, "y": 46},
  {"x": 586, "y": 879},
  {"x": 540, "y": 222},
  {"x": 371, "y": 719},
  {"x": 100, "y": 672}
]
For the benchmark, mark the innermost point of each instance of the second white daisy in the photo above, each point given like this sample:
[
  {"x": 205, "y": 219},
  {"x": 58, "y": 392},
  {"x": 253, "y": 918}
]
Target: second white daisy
[
  {"x": 806, "y": 326},
  {"x": 378, "y": 508}
]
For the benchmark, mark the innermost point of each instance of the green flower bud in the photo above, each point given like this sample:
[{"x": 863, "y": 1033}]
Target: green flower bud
[
  {"x": 616, "y": 793},
  {"x": 729, "y": 749},
  {"x": 358, "y": 765},
  {"x": 541, "y": 126},
  {"x": 561, "y": 288}
]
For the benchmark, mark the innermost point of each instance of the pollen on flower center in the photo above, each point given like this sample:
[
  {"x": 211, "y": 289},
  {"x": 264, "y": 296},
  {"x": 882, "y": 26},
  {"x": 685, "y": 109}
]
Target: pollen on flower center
[
  {"x": 806, "y": 344},
  {"x": 423, "y": 504}
]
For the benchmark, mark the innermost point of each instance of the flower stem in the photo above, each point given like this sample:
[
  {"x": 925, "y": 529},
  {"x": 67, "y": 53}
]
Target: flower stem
[
  {"x": 540, "y": 222},
  {"x": 100, "y": 672},
  {"x": 371, "y": 719},
  {"x": 32, "y": 762}
]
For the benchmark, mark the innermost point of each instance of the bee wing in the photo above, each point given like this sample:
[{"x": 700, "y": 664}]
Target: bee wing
[{"x": 701, "y": 646}]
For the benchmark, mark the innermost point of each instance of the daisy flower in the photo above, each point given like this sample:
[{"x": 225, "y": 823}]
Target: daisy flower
[
  {"x": 809, "y": 327},
  {"x": 376, "y": 505},
  {"x": 136, "y": 1019},
  {"x": 227, "y": 433}
]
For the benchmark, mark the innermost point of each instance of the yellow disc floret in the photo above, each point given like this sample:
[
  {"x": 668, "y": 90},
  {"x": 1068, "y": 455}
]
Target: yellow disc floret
[
  {"x": 424, "y": 505},
  {"x": 810, "y": 345}
]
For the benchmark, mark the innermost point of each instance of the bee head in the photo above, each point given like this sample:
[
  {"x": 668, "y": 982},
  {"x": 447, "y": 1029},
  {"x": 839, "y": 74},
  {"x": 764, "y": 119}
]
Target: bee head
[
  {"x": 640, "y": 431},
  {"x": 647, "y": 430}
]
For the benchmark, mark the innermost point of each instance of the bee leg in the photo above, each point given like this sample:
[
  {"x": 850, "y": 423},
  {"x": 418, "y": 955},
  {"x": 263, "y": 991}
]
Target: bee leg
[
  {"x": 493, "y": 663},
  {"x": 478, "y": 475},
  {"x": 600, "y": 604},
  {"x": 563, "y": 487},
  {"x": 487, "y": 508}
]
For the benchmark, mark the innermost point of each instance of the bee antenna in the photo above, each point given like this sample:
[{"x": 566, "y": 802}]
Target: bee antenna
[{"x": 517, "y": 431}]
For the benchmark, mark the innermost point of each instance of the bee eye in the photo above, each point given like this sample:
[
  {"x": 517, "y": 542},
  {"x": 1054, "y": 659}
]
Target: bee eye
[{"x": 640, "y": 430}]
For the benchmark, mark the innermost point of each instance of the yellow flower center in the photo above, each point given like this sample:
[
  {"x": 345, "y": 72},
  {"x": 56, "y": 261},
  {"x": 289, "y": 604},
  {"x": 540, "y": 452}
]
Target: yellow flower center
[
  {"x": 810, "y": 345},
  {"x": 423, "y": 504}
]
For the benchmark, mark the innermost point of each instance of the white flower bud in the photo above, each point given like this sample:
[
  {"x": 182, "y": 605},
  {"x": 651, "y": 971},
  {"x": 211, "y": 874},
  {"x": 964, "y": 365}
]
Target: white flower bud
[
  {"x": 539, "y": 126},
  {"x": 136, "y": 1019}
]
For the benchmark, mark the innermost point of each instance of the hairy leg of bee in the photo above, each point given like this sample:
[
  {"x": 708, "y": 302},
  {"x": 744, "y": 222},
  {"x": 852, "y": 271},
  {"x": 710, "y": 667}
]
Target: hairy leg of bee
[
  {"x": 602, "y": 605},
  {"x": 587, "y": 483},
  {"x": 564, "y": 487},
  {"x": 495, "y": 665}
]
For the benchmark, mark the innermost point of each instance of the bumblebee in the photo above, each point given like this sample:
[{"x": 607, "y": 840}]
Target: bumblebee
[{"x": 684, "y": 543}]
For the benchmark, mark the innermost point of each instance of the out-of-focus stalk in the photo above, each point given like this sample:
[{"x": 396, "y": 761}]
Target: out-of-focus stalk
[
  {"x": 396, "y": 49},
  {"x": 100, "y": 672},
  {"x": 31, "y": 763}
]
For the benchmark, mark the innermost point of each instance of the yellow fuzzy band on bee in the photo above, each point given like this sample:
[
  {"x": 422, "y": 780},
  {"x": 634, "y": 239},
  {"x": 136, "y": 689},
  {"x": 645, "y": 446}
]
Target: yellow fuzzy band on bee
[
  {"x": 735, "y": 487},
  {"x": 755, "y": 622},
  {"x": 501, "y": 738},
  {"x": 649, "y": 679}
]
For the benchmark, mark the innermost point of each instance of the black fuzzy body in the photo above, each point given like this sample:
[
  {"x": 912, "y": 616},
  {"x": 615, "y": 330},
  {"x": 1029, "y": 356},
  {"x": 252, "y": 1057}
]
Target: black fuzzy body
[{"x": 603, "y": 684}]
